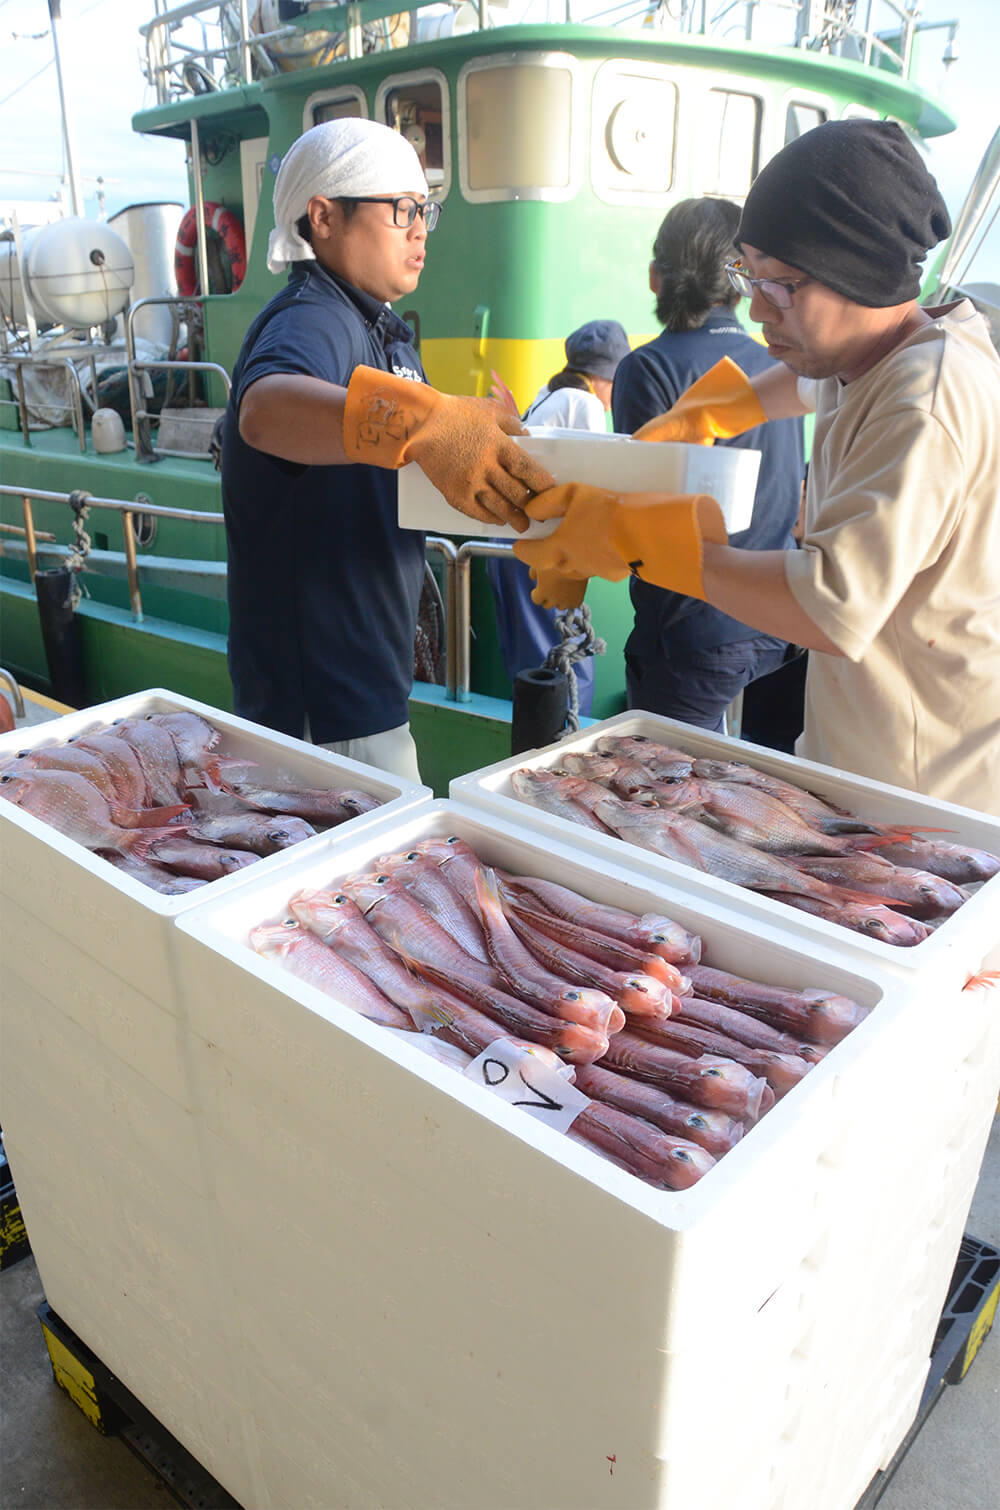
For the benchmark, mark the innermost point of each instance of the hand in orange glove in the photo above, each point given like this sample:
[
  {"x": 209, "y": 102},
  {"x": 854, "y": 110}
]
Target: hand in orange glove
[
  {"x": 655, "y": 536},
  {"x": 461, "y": 444},
  {"x": 720, "y": 404}
]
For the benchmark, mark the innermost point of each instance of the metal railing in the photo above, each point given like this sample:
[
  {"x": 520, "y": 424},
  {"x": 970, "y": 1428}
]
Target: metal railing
[
  {"x": 205, "y": 45},
  {"x": 144, "y": 448},
  {"x": 457, "y": 561},
  {"x": 20, "y": 360}
]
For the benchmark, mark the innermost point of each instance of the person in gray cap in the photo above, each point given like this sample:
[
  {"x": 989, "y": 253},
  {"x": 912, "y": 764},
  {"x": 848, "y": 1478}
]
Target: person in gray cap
[
  {"x": 895, "y": 587},
  {"x": 578, "y": 397}
]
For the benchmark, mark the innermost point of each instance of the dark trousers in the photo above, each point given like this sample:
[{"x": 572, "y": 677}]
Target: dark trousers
[{"x": 698, "y": 687}]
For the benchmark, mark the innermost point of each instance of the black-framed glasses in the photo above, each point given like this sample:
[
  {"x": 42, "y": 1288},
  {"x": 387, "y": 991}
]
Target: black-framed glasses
[
  {"x": 777, "y": 291},
  {"x": 405, "y": 209}
]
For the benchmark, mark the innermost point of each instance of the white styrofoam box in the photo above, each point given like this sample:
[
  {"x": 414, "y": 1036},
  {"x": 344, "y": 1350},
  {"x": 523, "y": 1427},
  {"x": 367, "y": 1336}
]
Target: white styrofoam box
[
  {"x": 727, "y": 473},
  {"x": 118, "y": 920},
  {"x": 957, "y": 948},
  {"x": 429, "y": 1180}
]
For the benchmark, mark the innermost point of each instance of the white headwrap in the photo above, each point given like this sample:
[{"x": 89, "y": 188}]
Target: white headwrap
[{"x": 337, "y": 158}]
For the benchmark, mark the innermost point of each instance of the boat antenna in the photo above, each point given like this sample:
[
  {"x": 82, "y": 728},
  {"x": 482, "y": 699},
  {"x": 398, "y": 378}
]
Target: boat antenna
[{"x": 75, "y": 191}]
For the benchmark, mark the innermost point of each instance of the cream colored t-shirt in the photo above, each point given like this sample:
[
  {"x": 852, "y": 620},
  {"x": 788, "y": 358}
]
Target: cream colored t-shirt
[{"x": 900, "y": 566}]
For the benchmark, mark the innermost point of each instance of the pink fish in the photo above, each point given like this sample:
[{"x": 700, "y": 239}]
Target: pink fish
[
  {"x": 74, "y": 806},
  {"x": 264, "y": 833},
  {"x": 531, "y": 981},
  {"x": 423, "y": 877},
  {"x": 746, "y": 1029},
  {"x": 657, "y": 1157},
  {"x": 710, "y": 1080},
  {"x": 613, "y": 952},
  {"x": 157, "y": 755},
  {"x": 191, "y": 858},
  {"x": 925, "y": 895},
  {"x": 819, "y": 1016},
  {"x": 122, "y": 765},
  {"x": 308, "y": 959},
  {"x": 636, "y": 994},
  {"x": 553, "y": 794},
  {"x": 323, "y": 805},
  {"x": 781, "y": 1071},
  {"x": 653, "y": 931},
  {"x": 873, "y": 921},
  {"x": 716, "y": 1132}
]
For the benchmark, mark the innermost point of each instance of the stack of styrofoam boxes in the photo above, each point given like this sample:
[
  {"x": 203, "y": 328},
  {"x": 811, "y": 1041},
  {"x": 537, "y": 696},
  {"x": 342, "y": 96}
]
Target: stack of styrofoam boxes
[
  {"x": 100, "y": 1114},
  {"x": 452, "y": 1305},
  {"x": 908, "y": 1211}
]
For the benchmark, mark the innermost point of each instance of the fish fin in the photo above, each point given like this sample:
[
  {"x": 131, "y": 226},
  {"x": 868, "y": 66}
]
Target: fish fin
[
  {"x": 148, "y": 817},
  {"x": 142, "y": 840},
  {"x": 865, "y": 898},
  {"x": 982, "y": 979}
]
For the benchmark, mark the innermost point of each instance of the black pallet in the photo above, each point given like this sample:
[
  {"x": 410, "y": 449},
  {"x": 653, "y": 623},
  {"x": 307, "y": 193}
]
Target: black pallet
[
  {"x": 14, "y": 1243},
  {"x": 115, "y": 1411},
  {"x": 965, "y": 1322}
]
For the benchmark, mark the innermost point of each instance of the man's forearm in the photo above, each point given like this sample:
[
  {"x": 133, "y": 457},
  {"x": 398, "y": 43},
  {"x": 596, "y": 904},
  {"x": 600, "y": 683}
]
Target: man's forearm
[
  {"x": 297, "y": 418},
  {"x": 751, "y": 586}
]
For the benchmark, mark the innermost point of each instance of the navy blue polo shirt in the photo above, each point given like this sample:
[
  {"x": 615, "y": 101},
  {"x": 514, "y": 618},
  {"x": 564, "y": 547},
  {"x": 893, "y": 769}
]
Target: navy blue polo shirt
[
  {"x": 649, "y": 381},
  {"x": 323, "y": 585}
]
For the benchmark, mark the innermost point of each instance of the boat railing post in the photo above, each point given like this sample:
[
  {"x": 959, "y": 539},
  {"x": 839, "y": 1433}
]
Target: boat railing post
[
  {"x": 463, "y": 606},
  {"x": 246, "y": 66},
  {"x": 29, "y": 537},
  {"x": 199, "y": 207},
  {"x": 77, "y": 393},
  {"x": 22, "y": 404},
  {"x": 140, "y": 430},
  {"x": 131, "y": 564},
  {"x": 449, "y": 554}
]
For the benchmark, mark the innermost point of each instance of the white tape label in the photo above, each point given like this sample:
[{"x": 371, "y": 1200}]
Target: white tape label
[{"x": 522, "y": 1079}]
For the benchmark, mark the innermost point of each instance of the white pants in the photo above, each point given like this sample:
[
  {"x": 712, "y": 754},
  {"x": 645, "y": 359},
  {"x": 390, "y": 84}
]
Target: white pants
[{"x": 393, "y": 750}]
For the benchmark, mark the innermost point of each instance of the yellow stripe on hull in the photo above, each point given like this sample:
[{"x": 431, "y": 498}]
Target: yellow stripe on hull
[{"x": 465, "y": 364}]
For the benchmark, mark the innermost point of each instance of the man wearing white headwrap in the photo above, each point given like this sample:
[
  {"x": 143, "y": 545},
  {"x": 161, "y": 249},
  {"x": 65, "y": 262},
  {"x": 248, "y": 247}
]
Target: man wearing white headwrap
[{"x": 328, "y": 400}]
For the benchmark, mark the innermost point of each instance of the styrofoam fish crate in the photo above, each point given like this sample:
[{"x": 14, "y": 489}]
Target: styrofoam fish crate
[
  {"x": 727, "y": 473},
  {"x": 365, "y": 1275},
  {"x": 109, "y": 915},
  {"x": 964, "y": 943}
]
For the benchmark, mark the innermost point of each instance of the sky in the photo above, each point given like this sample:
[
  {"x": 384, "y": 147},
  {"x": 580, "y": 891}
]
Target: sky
[{"x": 100, "y": 50}]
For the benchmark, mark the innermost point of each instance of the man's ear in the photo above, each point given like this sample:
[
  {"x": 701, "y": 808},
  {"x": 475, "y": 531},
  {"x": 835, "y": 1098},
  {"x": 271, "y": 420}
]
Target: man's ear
[
  {"x": 654, "y": 279},
  {"x": 324, "y": 217}
]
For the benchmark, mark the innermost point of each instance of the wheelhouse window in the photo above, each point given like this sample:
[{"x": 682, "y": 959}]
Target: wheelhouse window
[
  {"x": 800, "y": 118},
  {"x": 731, "y": 142},
  {"x": 335, "y": 107},
  {"x": 634, "y": 121},
  {"x": 516, "y": 120},
  {"x": 416, "y": 105}
]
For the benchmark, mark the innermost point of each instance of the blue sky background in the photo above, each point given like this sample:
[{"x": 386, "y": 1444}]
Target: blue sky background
[{"x": 104, "y": 87}]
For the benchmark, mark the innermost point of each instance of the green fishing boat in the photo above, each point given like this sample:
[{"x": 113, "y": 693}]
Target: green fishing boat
[{"x": 555, "y": 147}]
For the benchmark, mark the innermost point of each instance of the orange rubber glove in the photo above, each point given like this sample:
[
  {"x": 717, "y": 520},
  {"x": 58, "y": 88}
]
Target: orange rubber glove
[
  {"x": 461, "y": 444},
  {"x": 720, "y": 404},
  {"x": 655, "y": 536}
]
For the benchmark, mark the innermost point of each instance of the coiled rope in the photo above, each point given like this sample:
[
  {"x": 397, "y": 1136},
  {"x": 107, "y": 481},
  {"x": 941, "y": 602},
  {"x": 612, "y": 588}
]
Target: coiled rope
[
  {"x": 577, "y": 641},
  {"x": 79, "y": 502}
]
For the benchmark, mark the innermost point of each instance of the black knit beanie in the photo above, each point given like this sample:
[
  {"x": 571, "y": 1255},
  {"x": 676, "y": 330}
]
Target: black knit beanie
[{"x": 850, "y": 203}]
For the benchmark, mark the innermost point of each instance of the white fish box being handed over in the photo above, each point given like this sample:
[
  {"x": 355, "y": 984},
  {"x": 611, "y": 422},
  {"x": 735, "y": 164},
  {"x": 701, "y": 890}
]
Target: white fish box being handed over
[
  {"x": 952, "y": 945},
  {"x": 74, "y": 896},
  {"x": 727, "y": 473},
  {"x": 461, "y": 1306}
]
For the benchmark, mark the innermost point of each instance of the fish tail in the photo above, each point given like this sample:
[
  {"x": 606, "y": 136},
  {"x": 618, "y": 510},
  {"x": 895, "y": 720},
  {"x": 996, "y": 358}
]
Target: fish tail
[
  {"x": 141, "y": 840},
  {"x": 149, "y": 817}
]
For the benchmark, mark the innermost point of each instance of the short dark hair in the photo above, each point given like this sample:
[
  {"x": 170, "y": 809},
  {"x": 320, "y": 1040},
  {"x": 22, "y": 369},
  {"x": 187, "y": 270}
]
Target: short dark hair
[
  {"x": 692, "y": 247},
  {"x": 349, "y": 207},
  {"x": 568, "y": 377}
]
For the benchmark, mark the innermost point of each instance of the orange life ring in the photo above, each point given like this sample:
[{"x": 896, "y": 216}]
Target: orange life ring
[{"x": 225, "y": 225}]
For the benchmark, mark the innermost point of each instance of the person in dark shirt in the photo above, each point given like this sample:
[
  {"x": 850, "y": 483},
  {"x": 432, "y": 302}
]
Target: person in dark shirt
[
  {"x": 684, "y": 658},
  {"x": 328, "y": 398}
]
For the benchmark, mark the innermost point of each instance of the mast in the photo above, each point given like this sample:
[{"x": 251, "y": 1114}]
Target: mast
[{"x": 75, "y": 191}]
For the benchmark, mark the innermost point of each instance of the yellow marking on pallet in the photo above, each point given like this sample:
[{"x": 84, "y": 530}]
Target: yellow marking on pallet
[
  {"x": 12, "y": 1229},
  {"x": 75, "y": 1379},
  {"x": 980, "y": 1327}
]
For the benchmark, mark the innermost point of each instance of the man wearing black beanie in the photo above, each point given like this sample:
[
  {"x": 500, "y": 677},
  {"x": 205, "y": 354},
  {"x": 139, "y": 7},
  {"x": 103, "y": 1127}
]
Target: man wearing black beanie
[{"x": 897, "y": 583}]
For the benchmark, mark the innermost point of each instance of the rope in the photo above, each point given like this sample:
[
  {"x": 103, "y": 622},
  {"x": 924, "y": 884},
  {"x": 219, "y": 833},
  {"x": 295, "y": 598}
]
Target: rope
[
  {"x": 577, "y": 640},
  {"x": 79, "y": 502}
]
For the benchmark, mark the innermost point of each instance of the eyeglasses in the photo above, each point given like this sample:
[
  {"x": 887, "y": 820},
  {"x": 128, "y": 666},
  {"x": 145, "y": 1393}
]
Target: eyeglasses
[
  {"x": 404, "y": 210},
  {"x": 777, "y": 291}
]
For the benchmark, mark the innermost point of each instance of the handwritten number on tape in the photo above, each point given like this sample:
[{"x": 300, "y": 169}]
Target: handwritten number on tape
[{"x": 522, "y": 1079}]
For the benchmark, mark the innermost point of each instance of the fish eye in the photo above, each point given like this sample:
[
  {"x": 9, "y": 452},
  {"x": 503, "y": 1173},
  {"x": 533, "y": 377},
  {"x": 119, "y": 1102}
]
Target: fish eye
[
  {"x": 873, "y": 925},
  {"x": 713, "y": 1072},
  {"x": 289, "y": 923},
  {"x": 20, "y": 754},
  {"x": 637, "y": 985},
  {"x": 682, "y": 1155},
  {"x": 341, "y": 898},
  {"x": 277, "y": 833},
  {"x": 571, "y": 996},
  {"x": 6, "y": 778},
  {"x": 381, "y": 880},
  {"x": 695, "y": 1120},
  {"x": 413, "y": 855},
  {"x": 453, "y": 839}
]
